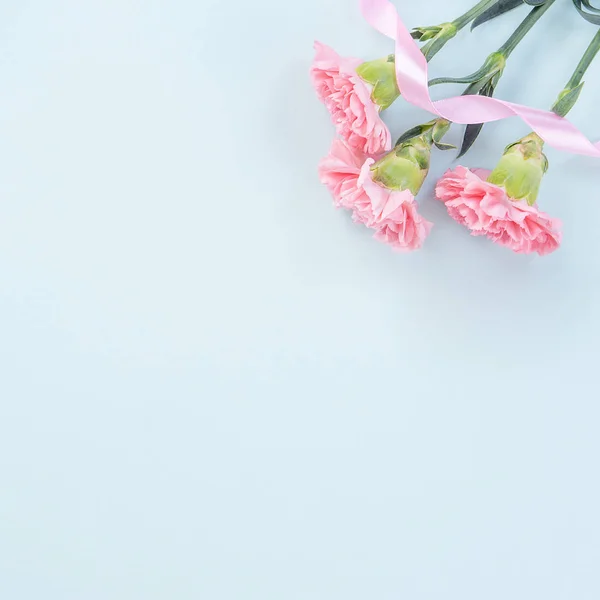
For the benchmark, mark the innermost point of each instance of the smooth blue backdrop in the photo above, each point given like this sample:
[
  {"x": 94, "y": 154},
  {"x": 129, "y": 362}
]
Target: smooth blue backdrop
[{"x": 214, "y": 386}]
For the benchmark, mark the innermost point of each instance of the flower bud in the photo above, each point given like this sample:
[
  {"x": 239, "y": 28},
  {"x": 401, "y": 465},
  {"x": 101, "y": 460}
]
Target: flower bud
[
  {"x": 521, "y": 169},
  {"x": 436, "y": 37},
  {"x": 380, "y": 74},
  {"x": 424, "y": 34}
]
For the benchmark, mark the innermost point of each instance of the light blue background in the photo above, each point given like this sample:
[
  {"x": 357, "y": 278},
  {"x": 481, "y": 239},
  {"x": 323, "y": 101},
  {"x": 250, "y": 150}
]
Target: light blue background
[{"x": 214, "y": 386}]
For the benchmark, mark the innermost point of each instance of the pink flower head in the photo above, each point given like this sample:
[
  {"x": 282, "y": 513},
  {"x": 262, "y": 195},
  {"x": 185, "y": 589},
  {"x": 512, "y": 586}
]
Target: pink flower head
[
  {"x": 348, "y": 99},
  {"x": 391, "y": 213},
  {"x": 339, "y": 171},
  {"x": 486, "y": 209}
]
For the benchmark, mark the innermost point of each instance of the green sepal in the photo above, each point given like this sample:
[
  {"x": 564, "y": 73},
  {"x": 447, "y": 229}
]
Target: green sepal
[
  {"x": 381, "y": 75},
  {"x": 473, "y": 130},
  {"x": 405, "y": 167},
  {"x": 521, "y": 168},
  {"x": 444, "y": 146}
]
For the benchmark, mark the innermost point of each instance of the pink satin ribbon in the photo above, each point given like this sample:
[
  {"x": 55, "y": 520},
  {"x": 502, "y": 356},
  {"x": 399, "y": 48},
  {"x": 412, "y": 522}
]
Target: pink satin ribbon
[{"x": 412, "y": 77}]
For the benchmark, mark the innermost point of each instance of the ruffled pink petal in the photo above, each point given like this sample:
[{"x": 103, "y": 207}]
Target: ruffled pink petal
[
  {"x": 340, "y": 170},
  {"x": 348, "y": 99},
  {"x": 392, "y": 214},
  {"x": 486, "y": 209}
]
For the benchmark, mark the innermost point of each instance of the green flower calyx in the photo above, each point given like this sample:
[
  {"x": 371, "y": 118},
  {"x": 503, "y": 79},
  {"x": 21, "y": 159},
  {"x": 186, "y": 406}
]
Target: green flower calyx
[
  {"x": 521, "y": 168},
  {"x": 407, "y": 165},
  {"x": 380, "y": 74}
]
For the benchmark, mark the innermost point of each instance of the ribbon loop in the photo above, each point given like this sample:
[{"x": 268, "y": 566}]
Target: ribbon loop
[{"x": 412, "y": 77}]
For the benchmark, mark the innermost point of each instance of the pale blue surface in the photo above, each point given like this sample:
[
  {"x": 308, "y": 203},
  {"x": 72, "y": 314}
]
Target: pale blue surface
[{"x": 214, "y": 386}]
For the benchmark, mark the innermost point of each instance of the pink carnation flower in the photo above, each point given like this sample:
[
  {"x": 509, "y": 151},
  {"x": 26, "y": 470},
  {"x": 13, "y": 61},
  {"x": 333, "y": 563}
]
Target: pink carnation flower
[
  {"x": 339, "y": 171},
  {"x": 348, "y": 99},
  {"x": 486, "y": 209},
  {"x": 392, "y": 214}
]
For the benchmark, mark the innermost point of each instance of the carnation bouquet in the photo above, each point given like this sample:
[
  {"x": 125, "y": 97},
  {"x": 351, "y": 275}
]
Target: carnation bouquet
[{"x": 377, "y": 177}]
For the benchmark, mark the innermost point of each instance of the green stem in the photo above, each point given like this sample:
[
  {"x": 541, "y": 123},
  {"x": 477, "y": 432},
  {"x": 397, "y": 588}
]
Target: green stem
[
  {"x": 472, "y": 14},
  {"x": 448, "y": 30},
  {"x": 570, "y": 94},
  {"x": 530, "y": 20},
  {"x": 585, "y": 62}
]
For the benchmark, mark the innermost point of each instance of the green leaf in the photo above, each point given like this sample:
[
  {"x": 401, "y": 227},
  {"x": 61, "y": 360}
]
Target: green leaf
[
  {"x": 471, "y": 134},
  {"x": 414, "y": 132},
  {"x": 595, "y": 19},
  {"x": 492, "y": 67},
  {"x": 473, "y": 130},
  {"x": 444, "y": 146},
  {"x": 589, "y": 6},
  {"x": 467, "y": 79}
]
